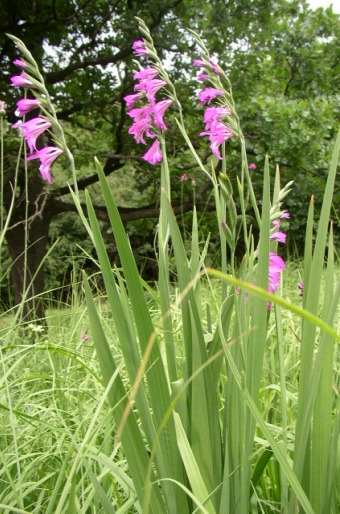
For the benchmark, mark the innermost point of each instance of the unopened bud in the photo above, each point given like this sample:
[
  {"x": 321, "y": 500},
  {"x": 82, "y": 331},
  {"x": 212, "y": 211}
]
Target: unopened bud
[{"x": 2, "y": 108}]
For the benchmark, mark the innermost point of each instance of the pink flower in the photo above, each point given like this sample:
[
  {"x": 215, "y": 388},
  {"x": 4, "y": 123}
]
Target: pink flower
[
  {"x": 132, "y": 99},
  {"x": 198, "y": 63},
  {"x": 215, "y": 114},
  {"x": 208, "y": 94},
  {"x": 154, "y": 154},
  {"x": 141, "y": 126},
  {"x": 184, "y": 177},
  {"x": 47, "y": 156},
  {"x": 278, "y": 236},
  {"x": 285, "y": 214},
  {"x": 218, "y": 133},
  {"x": 252, "y": 166},
  {"x": 25, "y": 105},
  {"x": 32, "y": 129},
  {"x": 146, "y": 73},
  {"x": 214, "y": 67},
  {"x": 85, "y": 337},
  {"x": 150, "y": 86},
  {"x": 159, "y": 110},
  {"x": 140, "y": 112},
  {"x": 21, "y": 80},
  {"x": 203, "y": 77},
  {"x": 20, "y": 63},
  {"x": 276, "y": 265},
  {"x": 139, "y": 48}
]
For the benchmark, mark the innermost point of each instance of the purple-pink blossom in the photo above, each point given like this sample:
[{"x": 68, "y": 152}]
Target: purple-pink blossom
[
  {"x": 184, "y": 177},
  {"x": 139, "y": 48},
  {"x": 140, "y": 127},
  {"x": 154, "y": 154},
  {"x": 215, "y": 114},
  {"x": 20, "y": 63},
  {"x": 285, "y": 214},
  {"x": 218, "y": 133},
  {"x": 21, "y": 80},
  {"x": 159, "y": 111},
  {"x": 32, "y": 129},
  {"x": 25, "y": 105},
  {"x": 208, "y": 94},
  {"x": 149, "y": 116},
  {"x": 203, "y": 77},
  {"x": 47, "y": 156},
  {"x": 199, "y": 63},
  {"x": 278, "y": 236},
  {"x": 276, "y": 266},
  {"x": 150, "y": 86},
  {"x": 132, "y": 99},
  {"x": 252, "y": 166},
  {"x": 146, "y": 73}
]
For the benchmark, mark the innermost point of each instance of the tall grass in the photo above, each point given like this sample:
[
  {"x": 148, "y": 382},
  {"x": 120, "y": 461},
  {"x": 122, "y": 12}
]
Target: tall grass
[{"x": 208, "y": 400}]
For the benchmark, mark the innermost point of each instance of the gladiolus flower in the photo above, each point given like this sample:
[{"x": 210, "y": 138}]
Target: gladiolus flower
[
  {"x": 132, "y": 99},
  {"x": 20, "y": 63},
  {"x": 154, "y": 154},
  {"x": 214, "y": 67},
  {"x": 218, "y": 133},
  {"x": 215, "y": 114},
  {"x": 32, "y": 129},
  {"x": 203, "y": 77},
  {"x": 199, "y": 63},
  {"x": 146, "y": 73},
  {"x": 25, "y": 105},
  {"x": 208, "y": 94},
  {"x": 285, "y": 214},
  {"x": 150, "y": 86},
  {"x": 159, "y": 110},
  {"x": 139, "y": 48},
  {"x": 47, "y": 156},
  {"x": 141, "y": 126},
  {"x": 21, "y": 80},
  {"x": 278, "y": 236},
  {"x": 276, "y": 265},
  {"x": 252, "y": 166}
]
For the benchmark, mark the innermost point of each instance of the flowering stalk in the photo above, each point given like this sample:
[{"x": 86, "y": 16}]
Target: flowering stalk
[
  {"x": 221, "y": 130},
  {"x": 31, "y": 78}
]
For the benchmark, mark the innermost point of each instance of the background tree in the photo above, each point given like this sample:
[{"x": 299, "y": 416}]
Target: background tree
[{"x": 283, "y": 61}]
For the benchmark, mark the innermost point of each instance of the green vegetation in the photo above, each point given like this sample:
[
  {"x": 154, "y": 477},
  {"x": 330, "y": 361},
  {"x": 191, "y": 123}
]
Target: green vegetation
[
  {"x": 58, "y": 438},
  {"x": 282, "y": 60},
  {"x": 215, "y": 389}
]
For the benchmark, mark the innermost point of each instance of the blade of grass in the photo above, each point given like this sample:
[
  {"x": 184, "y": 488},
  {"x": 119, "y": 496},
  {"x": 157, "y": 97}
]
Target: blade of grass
[{"x": 133, "y": 444}]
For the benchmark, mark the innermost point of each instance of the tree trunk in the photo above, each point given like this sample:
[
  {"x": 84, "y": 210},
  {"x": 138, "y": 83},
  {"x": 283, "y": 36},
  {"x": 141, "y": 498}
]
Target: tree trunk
[
  {"x": 26, "y": 238},
  {"x": 27, "y": 272}
]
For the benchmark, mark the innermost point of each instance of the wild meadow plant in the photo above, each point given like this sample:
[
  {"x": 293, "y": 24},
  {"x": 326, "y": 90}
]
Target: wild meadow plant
[{"x": 201, "y": 397}]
